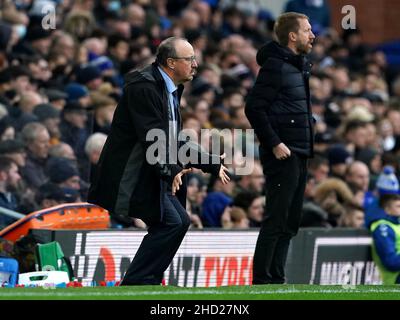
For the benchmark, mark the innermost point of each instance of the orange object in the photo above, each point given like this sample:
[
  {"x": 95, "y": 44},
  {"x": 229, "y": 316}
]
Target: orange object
[{"x": 80, "y": 215}]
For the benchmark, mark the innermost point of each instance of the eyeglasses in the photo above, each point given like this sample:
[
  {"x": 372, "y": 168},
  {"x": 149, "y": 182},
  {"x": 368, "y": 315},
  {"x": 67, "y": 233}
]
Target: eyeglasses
[{"x": 188, "y": 59}]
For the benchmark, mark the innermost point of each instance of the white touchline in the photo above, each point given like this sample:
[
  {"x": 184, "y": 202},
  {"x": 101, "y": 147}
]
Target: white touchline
[{"x": 153, "y": 293}]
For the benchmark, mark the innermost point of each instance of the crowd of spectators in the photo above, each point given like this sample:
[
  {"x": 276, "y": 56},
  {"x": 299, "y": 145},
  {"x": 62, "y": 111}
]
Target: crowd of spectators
[{"x": 59, "y": 88}]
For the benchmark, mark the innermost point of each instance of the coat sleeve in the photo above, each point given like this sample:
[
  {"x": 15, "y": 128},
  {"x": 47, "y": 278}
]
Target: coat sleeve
[
  {"x": 260, "y": 99},
  {"x": 385, "y": 244},
  {"x": 212, "y": 162},
  {"x": 146, "y": 114}
]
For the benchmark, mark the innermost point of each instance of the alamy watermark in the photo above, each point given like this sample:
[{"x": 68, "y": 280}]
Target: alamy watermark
[
  {"x": 49, "y": 20},
  {"x": 349, "y": 20},
  {"x": 191, "y": 147}
]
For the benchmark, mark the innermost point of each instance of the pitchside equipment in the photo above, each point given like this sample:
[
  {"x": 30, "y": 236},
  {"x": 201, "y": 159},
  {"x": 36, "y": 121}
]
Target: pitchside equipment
[
  {"x": 50, "y": 257},
  {"x": 8, "y": 271},
  {"x": 80, "y": 215},
  {"x": 43, "y": 278}
]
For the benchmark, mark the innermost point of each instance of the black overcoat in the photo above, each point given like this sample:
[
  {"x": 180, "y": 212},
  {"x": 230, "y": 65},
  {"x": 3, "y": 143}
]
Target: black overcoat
[
  {"x": 278, "y": 107},
  {"x": 125, "y": 183}
]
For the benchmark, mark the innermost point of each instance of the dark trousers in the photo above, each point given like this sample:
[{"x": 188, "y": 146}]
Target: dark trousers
[
  {"x": 285, "y": 184},
  {"x": 159, "y": 245}
]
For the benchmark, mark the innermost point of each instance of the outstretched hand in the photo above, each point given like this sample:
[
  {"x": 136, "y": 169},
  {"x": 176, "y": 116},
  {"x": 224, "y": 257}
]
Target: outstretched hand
[
  {"x": 223, "y": 172},
  {"x": 178, "y": 180}
]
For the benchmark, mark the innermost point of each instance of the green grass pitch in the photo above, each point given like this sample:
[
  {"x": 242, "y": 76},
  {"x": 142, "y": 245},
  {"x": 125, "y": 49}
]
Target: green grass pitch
[{"x": 267, "y": 292}]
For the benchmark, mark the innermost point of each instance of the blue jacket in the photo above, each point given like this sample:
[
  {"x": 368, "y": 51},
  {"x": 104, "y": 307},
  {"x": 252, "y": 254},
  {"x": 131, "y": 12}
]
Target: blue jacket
[{"x": 385, "y": 243}]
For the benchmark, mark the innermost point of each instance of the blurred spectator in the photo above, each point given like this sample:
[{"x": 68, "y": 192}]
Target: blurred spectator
[
  {"x": 339, "y": 158},
  {"x": 78, "y": 93},
  {"x": 319, "y": 168},
  {"x": 56, "y": 98},
  {"x": 201, "y": 110},
  {"x": 203, "y": 90},
  {"x": 7, "y": 131},
  {"x": 352, "y": 217},
  {"x": 196, "y": 192},
  {"x": 239, "y": 218},
  {"x": 50, "y": 195},
  {"x": 216, "y": 206},
  {"x": 39, "y": 69},
  {"x": 74, "y": 130},
  {"x": 15, "y": 150},
  {"x": 79, "y": 23},
  {"x": 16, "y": 81},
  {"x": 118, "y": 47},
  {"x": 372, "y": 158},
  {"x": 333, "y": 195},
  {"x": 8, "y": 37},
  {"x": 64, "y": 174},
  {"x": 36, "y": 42},
  {"x": 252, "y": 204},
  {"x": 62, "y": 150},
  {"x": 312, "y": 214},
  {"x": 216, "y": 185},
  {"x": 104, "y": 108},
  {"x": 50, "y": 118},
  {"x": 352, "y": 39},
  {"x": 24, "y": 113},
  {"x": 37, "y": 141},
  {"x": 387, "y": 138},
  {"x": 309, "y": 191},
  {"x": 355, "y": 133},
  {"x": 93, "y": 146},
  {"x": 357, "y": 176},
  {"x": 253, "y": 182},
  {"x": 385, "y": 234},
  {"x": 63, "y": 44},
  {"x": 387, "y": 183},
  {"x": 89, "y": 76},
  {"x": 191, "y": 125},
  {"x": 317, "y": 10},
  {"x": 9, "y": 178}
]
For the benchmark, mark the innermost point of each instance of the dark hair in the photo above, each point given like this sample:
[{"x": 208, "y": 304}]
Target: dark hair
[
  {"x": 5, "y": 163},
  {"x": 166, "y": 50},
  {"x": 286, "y": 23},
  {"x": 245, "y": 199},
  {"x": 386, "y": 198},
  {"x": 115, "y": 39},
  {"x": 353, "y": 125},
  {"x": 229, "y": 92},
  {"x": 317, "y": 161},
  {"x": 50, "y": 191}
]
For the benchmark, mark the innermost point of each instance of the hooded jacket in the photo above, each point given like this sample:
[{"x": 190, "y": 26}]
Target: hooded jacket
[
  {"x": 126, "y": 183},
  {"x": 386, "y": 246},
  {"x": 278, "y": 107}
]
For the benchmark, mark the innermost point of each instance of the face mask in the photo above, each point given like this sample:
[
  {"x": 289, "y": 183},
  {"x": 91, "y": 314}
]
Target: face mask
[
  {"x": 21, "y": 30},
  {"x": 114, "y": 6}
]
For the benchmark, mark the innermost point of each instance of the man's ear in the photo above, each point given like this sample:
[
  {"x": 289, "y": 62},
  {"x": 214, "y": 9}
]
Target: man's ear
[
  {"x": 171, "y": 64},
  {"x": 292, "y": 36}
]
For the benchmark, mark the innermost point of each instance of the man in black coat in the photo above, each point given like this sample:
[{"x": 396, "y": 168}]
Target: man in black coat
[
  {"x": 134, "y": 181},
  {"x": 278, "y": 109}
]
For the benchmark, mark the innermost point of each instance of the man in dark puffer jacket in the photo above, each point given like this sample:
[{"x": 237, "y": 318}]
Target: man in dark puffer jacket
[{"x": 278, "y": 109}]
